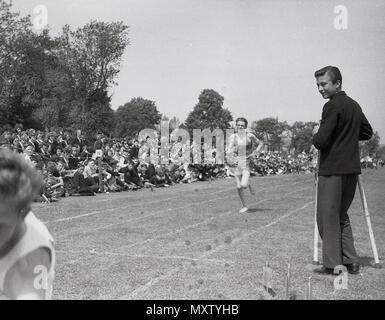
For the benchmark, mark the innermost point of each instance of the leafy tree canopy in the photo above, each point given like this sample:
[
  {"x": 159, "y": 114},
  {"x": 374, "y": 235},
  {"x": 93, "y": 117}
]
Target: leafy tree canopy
[
  {"x": 209, "y": 112},
  {"x": 136, "y": 115}
]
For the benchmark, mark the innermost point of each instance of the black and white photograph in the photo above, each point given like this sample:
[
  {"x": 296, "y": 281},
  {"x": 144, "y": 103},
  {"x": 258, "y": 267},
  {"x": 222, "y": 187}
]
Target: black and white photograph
[{"x": 209, "y": 152}]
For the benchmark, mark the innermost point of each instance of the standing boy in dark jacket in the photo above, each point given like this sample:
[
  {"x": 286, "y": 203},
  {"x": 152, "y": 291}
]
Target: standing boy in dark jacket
[{"x": 343, "y": 124}]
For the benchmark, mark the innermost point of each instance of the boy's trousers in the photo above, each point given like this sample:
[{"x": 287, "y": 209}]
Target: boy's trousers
[{"x": 335, "y": 194}]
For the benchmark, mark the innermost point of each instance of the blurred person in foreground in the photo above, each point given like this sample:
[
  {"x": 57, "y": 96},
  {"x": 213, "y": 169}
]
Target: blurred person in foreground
[{"x": 27, "y": 255}]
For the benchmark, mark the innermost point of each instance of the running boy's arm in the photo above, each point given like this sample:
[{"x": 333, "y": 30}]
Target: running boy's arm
[
  {"x": 28, "y": 278},
  {"x": 258, "y": 142},
  {"x": 230, "y": 150}
]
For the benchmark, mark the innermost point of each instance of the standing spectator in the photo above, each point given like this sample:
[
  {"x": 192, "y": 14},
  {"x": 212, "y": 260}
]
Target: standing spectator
[
  {"x": 134, "y": 151},
  {"x": 343, "y": 124},
  {"x": 98, "y": 145},
  {"x": 52, "y": 144}
]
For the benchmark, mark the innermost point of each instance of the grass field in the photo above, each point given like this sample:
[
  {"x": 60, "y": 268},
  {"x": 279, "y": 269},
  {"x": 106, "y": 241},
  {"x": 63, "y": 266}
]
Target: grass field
[{"x": 189, "y": 242}]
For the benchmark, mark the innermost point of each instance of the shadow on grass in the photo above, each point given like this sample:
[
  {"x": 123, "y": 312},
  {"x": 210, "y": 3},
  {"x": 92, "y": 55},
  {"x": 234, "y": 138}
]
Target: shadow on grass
[
  {"x": 252, "y": 210},
  {"x": 366, "y": 261}
]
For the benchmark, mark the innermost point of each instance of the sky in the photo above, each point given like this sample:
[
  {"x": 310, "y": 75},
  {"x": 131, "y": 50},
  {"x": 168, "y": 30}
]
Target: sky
[{"x": 259, "y": 55}]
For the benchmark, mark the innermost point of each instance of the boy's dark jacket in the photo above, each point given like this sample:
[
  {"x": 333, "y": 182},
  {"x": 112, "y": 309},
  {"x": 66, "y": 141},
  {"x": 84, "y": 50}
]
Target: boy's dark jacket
[{"x": 343, "y": 124}]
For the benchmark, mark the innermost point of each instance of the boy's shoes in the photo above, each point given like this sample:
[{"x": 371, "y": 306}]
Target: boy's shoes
[
  {"x": 353, "y": 268},
  {"x": 324, "y": 271}
]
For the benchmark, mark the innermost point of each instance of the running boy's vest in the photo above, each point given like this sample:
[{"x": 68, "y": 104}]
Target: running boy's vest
[{"x": 36, "y": 236}]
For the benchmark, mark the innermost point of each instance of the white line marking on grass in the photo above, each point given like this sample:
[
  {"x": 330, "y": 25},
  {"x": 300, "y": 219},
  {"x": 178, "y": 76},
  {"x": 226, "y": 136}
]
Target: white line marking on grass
[
  {"x": 173, "y": 209},
  {"x": 175, "y": 257},
  {"x": 149, "y": 284},
  {"x": 102, "y": 210},
  {"x": 257, "y": 190},
  {"x": 147, "y": 216},
  {"x": 153, "y": 281},
  {"x": 274, "y": 222},
  {"x": 198, "y": 223},
  {"x": 188, "y": 227},
  {"x": 126, "y": 198},
  {"x": 191, "y": 226},
  {"x": 120, "y": 207},
  {"x": 160, "y": 200}
]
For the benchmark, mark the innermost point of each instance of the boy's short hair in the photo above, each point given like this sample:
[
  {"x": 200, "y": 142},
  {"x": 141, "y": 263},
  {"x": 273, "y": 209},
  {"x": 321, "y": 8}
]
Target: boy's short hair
[
  {"x": 241, "y": 119},
  {"x": 334, "y": 73},
  {"x": 19, "y": 181}
]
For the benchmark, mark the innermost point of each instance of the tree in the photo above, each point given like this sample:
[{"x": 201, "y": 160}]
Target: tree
[
  {"x": 174, "y": 123},
  {"x": 302, "y": 135},
  {"x": 209, "y": 113},
  {"x": 47, "y": 83},
  {"x": 24, "y": 57},
  {"x": 91, "y": 56},
  {"x": 136, "y": 115},
  {"x": 99, "y": 117},
  {"x": 381, "y": 152},
  {"x": 270, "y": 130},
  {"x": 372, "y": 146}
]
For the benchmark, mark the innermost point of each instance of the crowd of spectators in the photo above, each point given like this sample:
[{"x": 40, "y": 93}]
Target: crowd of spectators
[
  {"x": 72, "y": 165},
  {"x": 372, "y": 163}
]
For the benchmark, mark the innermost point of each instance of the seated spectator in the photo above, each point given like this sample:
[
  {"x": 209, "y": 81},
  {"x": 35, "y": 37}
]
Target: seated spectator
[
  {"x": 134, "y": 150},
  {"x": 109, "y": 158},
  {"x": 54, "y": 186},
  {"x": 61, "y": 143},
  {"x": 158, "y": 177},
  {"x": 16, "y": 146},
  {"x": 52, "y": 143},
  {"x": 28, "y": 152},
  {"x": 81, "y": 185},
  {"x": 5, "y": 139},
  {"x": 78, "y": 141},
  {"x": 132, "y": 177},
  {"x": 187, "y": 174},
  {"x": 39, "y": 141},
  {"x": 58, "y": 156},
  {"x": 167, "y": 174},
  {"x": 73, "y": 159},
  {"x": 85, "y": 154},
  {"x": 144, "y": 174},
  {"x": 175, "y": 173},
  {"x": 90, "y": 171}
]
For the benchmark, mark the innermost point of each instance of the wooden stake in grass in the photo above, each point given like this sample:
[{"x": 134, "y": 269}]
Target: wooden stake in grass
[
  {"x": 288, "y": 275},
  {"x": 367, "y": 216},
  {"x": 267, "y": 275},
  {"x": 316, "y": 232},
  {"x": 309, "y": 290}
]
